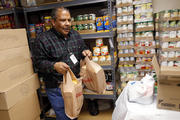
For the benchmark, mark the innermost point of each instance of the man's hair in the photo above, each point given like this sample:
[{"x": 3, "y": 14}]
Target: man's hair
[{"x": 54, "y": 12}]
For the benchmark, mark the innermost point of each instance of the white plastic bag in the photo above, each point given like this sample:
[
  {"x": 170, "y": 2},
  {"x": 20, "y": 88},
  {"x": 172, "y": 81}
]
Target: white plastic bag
[{"x": 141, "y": 91}]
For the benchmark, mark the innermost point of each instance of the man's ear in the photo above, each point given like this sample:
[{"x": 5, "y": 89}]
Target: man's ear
[{"x": 53, "y": 22}]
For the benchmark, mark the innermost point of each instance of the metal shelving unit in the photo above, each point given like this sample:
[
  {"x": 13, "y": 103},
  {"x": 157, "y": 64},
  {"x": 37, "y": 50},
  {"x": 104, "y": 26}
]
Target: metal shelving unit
[
  {"x": 109, "y": 35},
  {"x": 13, "y": 11}
]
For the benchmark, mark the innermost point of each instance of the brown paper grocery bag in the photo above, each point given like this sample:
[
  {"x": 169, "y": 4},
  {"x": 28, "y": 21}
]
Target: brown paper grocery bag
[
  {"x": 93, "y": 76},
  {"x": 72, "y": 93}
]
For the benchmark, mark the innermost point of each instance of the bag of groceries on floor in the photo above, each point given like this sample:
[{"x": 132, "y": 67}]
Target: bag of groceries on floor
[
  {"x": 93, "y": 76},
  {"x": 72, "y": 93}
]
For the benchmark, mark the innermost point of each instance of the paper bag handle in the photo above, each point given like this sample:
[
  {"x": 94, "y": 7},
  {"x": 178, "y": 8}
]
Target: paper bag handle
[
  {"x": 71, "y": 74},
  {"x": 87, "y": 60}
]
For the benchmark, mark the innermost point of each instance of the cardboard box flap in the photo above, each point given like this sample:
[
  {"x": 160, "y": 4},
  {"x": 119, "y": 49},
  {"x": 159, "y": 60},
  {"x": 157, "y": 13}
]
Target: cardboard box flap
[
  {"x": 18, "y": 91},
  {"x": 164, "y": 70},
  {"x": 170, "y": 71},
  {"x": 12, "y": 38},
  {"x": 156, "y": 65}
]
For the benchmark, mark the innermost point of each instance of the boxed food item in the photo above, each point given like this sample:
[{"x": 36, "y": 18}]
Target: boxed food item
[{"x": 168, "y": 96}]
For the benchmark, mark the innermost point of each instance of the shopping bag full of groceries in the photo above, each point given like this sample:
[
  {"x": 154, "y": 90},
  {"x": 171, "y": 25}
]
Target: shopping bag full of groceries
[
  {"x": 93, "y": 76},
  {"x": 72, "y": 93}
]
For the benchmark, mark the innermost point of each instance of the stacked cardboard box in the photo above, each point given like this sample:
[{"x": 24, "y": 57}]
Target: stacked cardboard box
[
  {"x": 168, "y": 96},
  {"x": 18, "y": 82}
]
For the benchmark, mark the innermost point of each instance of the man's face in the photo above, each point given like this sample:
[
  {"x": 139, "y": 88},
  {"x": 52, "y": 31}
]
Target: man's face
[{"x": 63, "y": 22}]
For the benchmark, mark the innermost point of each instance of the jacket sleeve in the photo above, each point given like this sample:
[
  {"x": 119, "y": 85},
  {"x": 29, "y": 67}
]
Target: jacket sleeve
[{"x": 40, "y": 56}]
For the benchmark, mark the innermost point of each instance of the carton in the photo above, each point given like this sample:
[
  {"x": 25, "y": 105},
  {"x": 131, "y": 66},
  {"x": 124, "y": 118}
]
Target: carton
[
  {"x": 14, "y": 56},
  {"x": 166, "y": 71},
  {"x": 168, "y": 96},
  {"x": 26, "y": 109},
  {"x": 11, "y": 95},
  {"x": 15, "y": 74},
  {"x": 12, "y": 38}
]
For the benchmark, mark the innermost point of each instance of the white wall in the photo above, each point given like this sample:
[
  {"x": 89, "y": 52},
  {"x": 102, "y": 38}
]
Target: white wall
[{"x": 159, "y": 5}]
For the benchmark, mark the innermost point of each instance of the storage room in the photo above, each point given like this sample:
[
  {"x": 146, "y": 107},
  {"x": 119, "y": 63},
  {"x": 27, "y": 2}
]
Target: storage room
[{"x": 89, "y": 59}]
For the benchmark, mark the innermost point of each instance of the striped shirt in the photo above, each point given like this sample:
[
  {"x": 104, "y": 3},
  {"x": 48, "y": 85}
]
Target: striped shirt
[{"x": 51, "y": 47}]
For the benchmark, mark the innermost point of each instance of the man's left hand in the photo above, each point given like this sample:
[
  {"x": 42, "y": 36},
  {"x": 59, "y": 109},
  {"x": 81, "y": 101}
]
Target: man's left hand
[{"x": 87, "y": 53}]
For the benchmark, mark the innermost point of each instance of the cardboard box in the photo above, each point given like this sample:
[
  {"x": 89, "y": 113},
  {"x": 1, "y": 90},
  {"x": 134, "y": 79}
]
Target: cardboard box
[
  {"x": 38, "y": 118},
  {"x": 14, "y": 56},
  {"x": 26, "y": 109},
  {"x": 173, "y": 72},
  {"x": 11, "y": 95},
  {"x": 15, "y": 74},
  {"x": 12, "y": 38},
  {"x": 168, "y": 96}
]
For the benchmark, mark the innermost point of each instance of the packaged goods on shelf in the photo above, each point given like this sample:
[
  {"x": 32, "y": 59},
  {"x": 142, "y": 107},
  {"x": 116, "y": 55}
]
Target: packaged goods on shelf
[
  {"x": 6, "y": 22},
  {"x": 99, "y": 42},
  {"x": 99, "y": 24}
]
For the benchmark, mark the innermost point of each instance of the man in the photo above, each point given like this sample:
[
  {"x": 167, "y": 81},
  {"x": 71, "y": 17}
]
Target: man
[{"x": 55, "y": 51}]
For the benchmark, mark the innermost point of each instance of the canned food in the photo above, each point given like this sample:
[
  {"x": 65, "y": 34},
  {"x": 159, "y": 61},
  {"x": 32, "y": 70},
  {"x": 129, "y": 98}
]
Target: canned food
[
  {"x": 178, "y": 44},
  {"x": 104, "y": 50},
  {"x": 86, "y": 27},
  {"x": 32, "y": 30},
  {"x": 126, "y": 58},
  {"x": 92, "y": 26},
  {"x": 120, "y": 19},
  {"x": 85, "y": 17},
  {"x": 95, "y": 58},
  {"x": 172, "y": 34},
  {"x": 165, "y": 45},
  {"x": 171, "y": 54},
  {"x": 121, "y": 59},
  {"x": 102, "y": 58},
  {"x": 121, "y": 51},
  {"x": 80, "y": 27},
  {"x": 92, "y": 17},
  {"x": 167, "y": 14},
  {"x": 96, "y": 51},
  {"x": 172, "y": 45},
  {"x": 172, "y": 24},
  {"x": 132, "y": 59},
  {"x": 39, "y": 28},
  {"x": 80, "y": 17},
  {"x": 99, "y": 42},
  {"x": 174, "y": 13},
  {"x": 177, "y": 54},
  {"x": 164, "y": 63},
  {"x": 164, "y": 54},
  {"x": 170, "y": 64},
  {"x": 119, "y": 10},
  {"x": 126, "y": 51},
  {"x": 74, "y": 27},
  {"x": 124, "y": 9},
  {"x": 108, "y": 57}
]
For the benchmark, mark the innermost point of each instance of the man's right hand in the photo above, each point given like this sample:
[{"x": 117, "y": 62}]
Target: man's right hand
[{"x": 61, "y": 67}]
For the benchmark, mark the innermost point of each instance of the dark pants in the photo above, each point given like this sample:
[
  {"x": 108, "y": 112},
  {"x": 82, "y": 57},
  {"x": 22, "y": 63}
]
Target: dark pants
[{"x": 57, "y": 103}]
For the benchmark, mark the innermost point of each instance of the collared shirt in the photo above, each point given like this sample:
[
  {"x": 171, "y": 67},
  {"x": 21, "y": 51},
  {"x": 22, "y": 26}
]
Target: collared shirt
[{"x": 51, "y": 47}]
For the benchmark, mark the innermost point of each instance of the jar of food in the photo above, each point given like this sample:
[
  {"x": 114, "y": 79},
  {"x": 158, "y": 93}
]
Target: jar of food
[
  {"x": 165, "y": 45},
  {"x": 174, "y": 13},
  {"x": 164, "y": 63},
  {"x": 102, "y": 58},
  {"x": 80, "y": 17},
  {"x": 171, "y": 54}
]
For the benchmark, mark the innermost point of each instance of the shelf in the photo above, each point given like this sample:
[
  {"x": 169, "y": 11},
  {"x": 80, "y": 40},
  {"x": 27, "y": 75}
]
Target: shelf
[
  {"x": 6, "y": 11},
  {"x": 97, "y": 35},
  {"x": 126, "y": 55},
  {"x": 164, "y": 29},
  {"x": 170, "y": 59},
  {"x": 105, "y": 95},
  {"x": 144, "y": 38},
  {"x": 125, "y": 47},
  {"x": 124, "y": 31},
  {"x": 64, "y": 4},
  {"x": 124, "y": 22},
  {"x": 107, "y": 67},
  {"x": 145, "y": 55},
  {"x": 144, "y": 29},
  {"x": 125, "y": 13},
  {"x": 124, "y": 5},
  {"x": 170, "y": 49},
  {"x": 125, "y": 39},
  {"x": 170, "y": 39},
  {"x": 145, "y": 47}
]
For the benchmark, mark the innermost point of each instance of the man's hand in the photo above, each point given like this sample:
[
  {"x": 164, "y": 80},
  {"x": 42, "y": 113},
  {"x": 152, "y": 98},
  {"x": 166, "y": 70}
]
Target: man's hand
[
  {"x": 87, "y": 53},
  {"x": 61, "y": 67}
]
